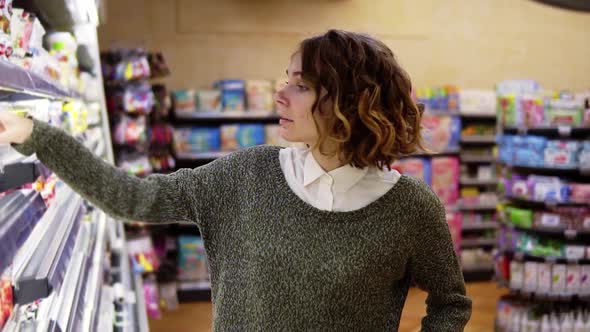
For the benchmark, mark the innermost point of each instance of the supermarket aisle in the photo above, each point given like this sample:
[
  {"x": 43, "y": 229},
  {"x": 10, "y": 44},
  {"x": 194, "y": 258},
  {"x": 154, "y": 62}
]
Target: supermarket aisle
[{"x": 196, "y": 317}]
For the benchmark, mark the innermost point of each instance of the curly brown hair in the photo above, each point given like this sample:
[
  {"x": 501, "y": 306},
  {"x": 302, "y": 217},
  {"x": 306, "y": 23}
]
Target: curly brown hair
[{"x": 372, "y": 119}]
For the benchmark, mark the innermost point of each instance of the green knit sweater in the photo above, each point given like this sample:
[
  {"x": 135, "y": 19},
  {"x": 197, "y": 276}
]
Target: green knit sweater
[{"x": 277, "y": 263}]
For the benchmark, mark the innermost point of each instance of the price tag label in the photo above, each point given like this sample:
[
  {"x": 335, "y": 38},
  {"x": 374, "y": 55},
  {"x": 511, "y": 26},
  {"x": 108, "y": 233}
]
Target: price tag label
[
  {"x": 551, "y": 259},
  {"x": 564, "y": 131},
  {"x": 550, "y": 220}
]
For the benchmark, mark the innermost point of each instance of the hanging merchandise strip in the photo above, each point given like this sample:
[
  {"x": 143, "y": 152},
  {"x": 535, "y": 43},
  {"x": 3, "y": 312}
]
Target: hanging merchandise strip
[
  {"x": 20, "y": 212},
  {"x": 40, "y": 263}
]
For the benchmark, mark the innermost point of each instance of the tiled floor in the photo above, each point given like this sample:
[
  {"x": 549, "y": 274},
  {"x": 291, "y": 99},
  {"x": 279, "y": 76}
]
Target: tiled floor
[{"x": 196, "y": 317}]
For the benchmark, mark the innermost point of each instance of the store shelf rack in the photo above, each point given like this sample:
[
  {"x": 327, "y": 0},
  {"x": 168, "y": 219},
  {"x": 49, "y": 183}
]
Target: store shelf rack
[{"x": 40, "y": 264}]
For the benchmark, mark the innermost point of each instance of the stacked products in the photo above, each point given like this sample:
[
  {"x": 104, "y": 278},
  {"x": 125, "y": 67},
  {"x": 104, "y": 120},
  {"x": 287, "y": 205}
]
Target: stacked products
[
  {"x": 522, "y": 316},
  {"x": 227, "y": 137},
  {"x": 226, "y": 96},
  {"x": 525, "y": 104},
  {"x": 138, "y": 111},
  {"x": 538, "y": 151}
]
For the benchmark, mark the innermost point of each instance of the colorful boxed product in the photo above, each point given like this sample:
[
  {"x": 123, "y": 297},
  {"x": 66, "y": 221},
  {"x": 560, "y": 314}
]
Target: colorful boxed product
[
  {"x": 21, "y": 27},
  {"x": 516, "y": 275},
  {"x": 506, "y": 149},
  {"x": 520, "y": 217},
  {"x": 548, "y": 189},
  {"x": 233, "y": 95},
  {"x": 229, "y": 137},
  {"x": 249, "y": 135},
  {"x": 184, "y": 101},
  {"x": 565, "y": 112},
  {"x": 138, "y": 98},
  {"x": 419, "y": 168},
  {"x": 441, "y": 132},
  {"x": 235, "y": 137},
  {"x": 530, "y": 151},
  {"x": 547, "y": 219},
  {"x": 559, "y": 271},
  {"x": 562, "y": 153},
  {"x": 6, "y": 299},
  {"x": 130, "y": 130},
  {"x": 445, "y": 179},
  {"x": 197, "y": 139},
  {"x": 507, "y": 111},
  {"x": 142, "y": 254},
  {"x": 531, "y": 270},
  {"x": 445, "y": 99},
  {"x": 584, "y": 157},
  {"x": 474, "y": 101},
  {"x": 259, "y": 95},
  {"x": 519, "y": 187},
  {"x": 533, "y": 111},
  {"x": 518, "y": 87},
  {"x": 580, "y": 192},
  {"x": 5, "y": 35},
  {"x": 209, "y": 101},
  {"x": 192, "y": 260}
]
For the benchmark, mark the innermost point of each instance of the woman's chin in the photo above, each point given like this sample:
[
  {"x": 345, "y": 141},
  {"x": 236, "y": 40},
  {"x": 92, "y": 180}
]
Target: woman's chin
[{"x": 285, "y": 135}]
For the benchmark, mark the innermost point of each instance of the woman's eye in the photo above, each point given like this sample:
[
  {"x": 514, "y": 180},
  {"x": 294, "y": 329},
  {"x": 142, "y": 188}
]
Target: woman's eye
[{"x": 302, "y": 87}]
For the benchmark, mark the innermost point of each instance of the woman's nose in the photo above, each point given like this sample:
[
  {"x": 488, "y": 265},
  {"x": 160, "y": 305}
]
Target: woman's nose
[{"x": 280, "y": 98}]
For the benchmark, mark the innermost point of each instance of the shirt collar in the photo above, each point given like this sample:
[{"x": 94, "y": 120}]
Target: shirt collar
[
  {"x": 311, "y": 169},
  {"x": 344, "y": 177}
]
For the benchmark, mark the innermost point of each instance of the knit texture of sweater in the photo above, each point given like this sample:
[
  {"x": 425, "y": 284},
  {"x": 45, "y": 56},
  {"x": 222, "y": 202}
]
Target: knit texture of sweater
[{"x": 276, "y": 262}]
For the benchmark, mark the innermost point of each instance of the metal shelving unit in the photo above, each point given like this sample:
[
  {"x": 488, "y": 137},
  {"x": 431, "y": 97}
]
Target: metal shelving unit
[
  {"x": 469, "y": 160},
  {"x": 58, "y": 255}
]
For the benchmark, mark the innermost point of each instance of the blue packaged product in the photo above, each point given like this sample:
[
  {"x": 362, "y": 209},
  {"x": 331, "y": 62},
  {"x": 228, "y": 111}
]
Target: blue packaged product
[
  {"x": 518, "y": 142},
  {"x": 455, "y": 133},
  {"x": 529, "y": 151},
  {"x": 535, "y": 143},
  {"x": 233, "y": 95},
  {"x": 192, "y": 261},
  {"x": 250, "y": 135},
  {"x": 564, "y": 145},
  {"x": 506, "y": 148},
  {"x": 197, "y": 139}
]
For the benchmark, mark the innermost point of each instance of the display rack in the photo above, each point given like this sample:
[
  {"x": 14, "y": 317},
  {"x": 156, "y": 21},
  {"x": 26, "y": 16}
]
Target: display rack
[
  {"x": 478, "y": 212},
  {"x": 542, "y": 245},
  {"x": 55, "y": 258}
]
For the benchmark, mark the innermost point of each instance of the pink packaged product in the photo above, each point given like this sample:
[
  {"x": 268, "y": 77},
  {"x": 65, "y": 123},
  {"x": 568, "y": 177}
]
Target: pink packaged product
[
  {"x": 21, "y": 28},
  {"x": 152, "y": 299},
  {"x": 533, "y": 111},
  {"x": 5, "y": 38},
  {"x": 580, "y": 192},
  {"x": 415, "y": 167},
  {"x": 441, "y": 132},
  {"x": 445, "y": 179}
]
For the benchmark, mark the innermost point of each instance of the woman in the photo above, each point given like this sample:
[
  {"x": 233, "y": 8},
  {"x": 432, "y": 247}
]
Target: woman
[{"x": 320, "y": 238}]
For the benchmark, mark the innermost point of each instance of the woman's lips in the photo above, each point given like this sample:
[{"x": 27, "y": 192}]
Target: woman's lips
[{"x": 283, "y": 121}]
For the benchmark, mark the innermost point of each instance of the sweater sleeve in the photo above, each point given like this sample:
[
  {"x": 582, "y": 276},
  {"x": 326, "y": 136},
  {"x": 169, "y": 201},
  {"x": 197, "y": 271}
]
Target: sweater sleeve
[
  {"x": 156, "y": 198},
  {"x": 435, "y": 269}
]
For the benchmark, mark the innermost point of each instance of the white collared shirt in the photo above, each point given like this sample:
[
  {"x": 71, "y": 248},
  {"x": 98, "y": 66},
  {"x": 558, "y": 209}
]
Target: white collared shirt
[{"x": 344, "y": 189}]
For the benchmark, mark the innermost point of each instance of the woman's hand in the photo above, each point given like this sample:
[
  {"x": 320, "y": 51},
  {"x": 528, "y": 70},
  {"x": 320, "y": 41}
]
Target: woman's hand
[{"x": 14, "y": 128}]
